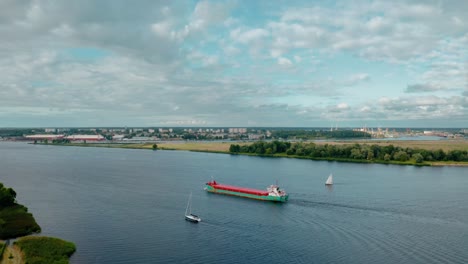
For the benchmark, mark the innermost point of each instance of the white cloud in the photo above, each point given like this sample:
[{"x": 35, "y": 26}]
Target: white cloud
[
  {"x": 162, "y": 28},
  {"x": 204, "y": 60},
  {"x": 342, "y": 106},
  {"x": 208, "y": 13},
  {"x": 284, "y": 62},
  {"x": 365, "y": 109},
  {"x": 356, "y": 79},
  {"x": 297, "y": 59},
  {"x": 248, "y": 36}
]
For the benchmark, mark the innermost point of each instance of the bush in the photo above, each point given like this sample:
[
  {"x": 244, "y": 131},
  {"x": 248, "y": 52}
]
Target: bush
[
  {"x": 44, "y": 250},
  {"x": 2, "y": 249},
  {"x": 15, "y": 221},
  {"x": 7, "y": 196},
  {"x": 418, "y": 158},
  {"x": 400, "y": 156},
  {"x": 387, "y": 157}
]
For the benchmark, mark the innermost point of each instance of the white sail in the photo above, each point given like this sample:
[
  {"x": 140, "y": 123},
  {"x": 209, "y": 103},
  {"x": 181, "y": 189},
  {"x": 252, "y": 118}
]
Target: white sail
[
  {"x": 188, "y": 210},
  {"x": 329, "y": 180}
]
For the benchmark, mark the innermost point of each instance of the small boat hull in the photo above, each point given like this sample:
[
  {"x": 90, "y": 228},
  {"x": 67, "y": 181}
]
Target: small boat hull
[{"x": 192, "y": 218}]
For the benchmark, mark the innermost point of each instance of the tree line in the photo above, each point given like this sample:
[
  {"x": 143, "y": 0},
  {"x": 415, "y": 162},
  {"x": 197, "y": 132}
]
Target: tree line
[{"x": 351, "y": 152}]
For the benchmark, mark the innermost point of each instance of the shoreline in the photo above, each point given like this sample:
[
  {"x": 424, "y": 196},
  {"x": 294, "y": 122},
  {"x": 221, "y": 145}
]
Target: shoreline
[{"x": 223, "y": 148}]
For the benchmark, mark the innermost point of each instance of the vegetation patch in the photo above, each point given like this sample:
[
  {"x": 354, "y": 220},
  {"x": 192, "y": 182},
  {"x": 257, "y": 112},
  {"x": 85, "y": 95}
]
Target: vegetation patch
[
  {"x": 45, "y": 250},
  {"x": 15, "y": 220},
  {"x": 404, "y": 152},
  {"x": 352, "y": 153},
  {"x": 2, "y": 249}
]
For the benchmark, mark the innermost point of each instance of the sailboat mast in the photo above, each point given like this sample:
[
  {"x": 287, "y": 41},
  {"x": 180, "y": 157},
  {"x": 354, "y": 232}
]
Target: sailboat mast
[{"x": 188, "y": 204}]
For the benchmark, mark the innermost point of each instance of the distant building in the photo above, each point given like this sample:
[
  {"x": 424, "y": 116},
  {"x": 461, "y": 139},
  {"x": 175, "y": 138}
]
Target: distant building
[
  {"x": 141, "y": 139},
  {"x": 237, "y": 130},
  {"x": 44, "y": 137},
  {"x": 118, "y": 137},
  {"x": 50, "y": 130},
  {"x": 151, "y": 130},
  {"x": 256, "y": 136},
  {"x": 85, "y": 137}
]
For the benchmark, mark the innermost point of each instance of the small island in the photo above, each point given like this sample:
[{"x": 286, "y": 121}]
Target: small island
[{"x": 16, "y": 221}]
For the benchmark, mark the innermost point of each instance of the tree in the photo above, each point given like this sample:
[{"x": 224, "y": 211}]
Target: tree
[
  {"x": 232, "y": 148},
  {"x": 300, "y": 152},
  {"x": 7, "y": 196},
  {"x": 290, "y": 151},
  {"x": 155, "y": 147},
  {"x": 387, "y": 157},
  {"x": 418, "y": 158},
  {"x": 400, "y": 156},
  {"x": 439, "y": 154},
  {"x": 356, "y": 153}
]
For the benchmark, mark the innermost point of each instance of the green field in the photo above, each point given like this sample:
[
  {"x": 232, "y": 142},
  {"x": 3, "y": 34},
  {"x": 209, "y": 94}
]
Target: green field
[{"x": 45, "y": 250}]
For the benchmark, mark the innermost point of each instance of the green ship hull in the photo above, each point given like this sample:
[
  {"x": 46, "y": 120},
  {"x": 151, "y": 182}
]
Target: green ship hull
[{"x": 283, "y": 199}]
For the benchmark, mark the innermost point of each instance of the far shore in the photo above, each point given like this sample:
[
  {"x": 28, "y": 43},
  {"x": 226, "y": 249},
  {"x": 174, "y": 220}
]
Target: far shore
[{"x": 223, "y": 147}]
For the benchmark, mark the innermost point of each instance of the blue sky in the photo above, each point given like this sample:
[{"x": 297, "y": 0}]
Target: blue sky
[{"x": 234, "y": 63}]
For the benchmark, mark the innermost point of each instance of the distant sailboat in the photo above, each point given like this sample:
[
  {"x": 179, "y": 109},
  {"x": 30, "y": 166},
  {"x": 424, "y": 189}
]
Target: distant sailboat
[
  {"x": 329, "y": 180},
  {"x": 188, "y": 212}
]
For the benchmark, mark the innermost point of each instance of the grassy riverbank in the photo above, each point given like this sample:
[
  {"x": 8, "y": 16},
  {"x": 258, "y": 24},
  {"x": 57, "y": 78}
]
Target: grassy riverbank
[
  {"x": 15, "y": 220},
  {"x": 43, "y": 250},
  {"x": 223, "y": 147}
]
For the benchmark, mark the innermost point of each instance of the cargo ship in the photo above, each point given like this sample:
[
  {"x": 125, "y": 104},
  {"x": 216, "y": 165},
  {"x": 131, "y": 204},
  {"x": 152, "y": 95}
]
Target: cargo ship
[{"x": 273, "y": 192}]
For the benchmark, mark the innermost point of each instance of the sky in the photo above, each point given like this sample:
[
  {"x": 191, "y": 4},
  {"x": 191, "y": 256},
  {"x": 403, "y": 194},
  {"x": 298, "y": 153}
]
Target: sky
[{"x": 234, "y": 63}]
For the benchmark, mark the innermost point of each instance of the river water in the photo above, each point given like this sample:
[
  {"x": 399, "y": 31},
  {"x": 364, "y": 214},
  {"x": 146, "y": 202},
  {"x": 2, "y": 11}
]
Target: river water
[{"x": 127, "y": 206}]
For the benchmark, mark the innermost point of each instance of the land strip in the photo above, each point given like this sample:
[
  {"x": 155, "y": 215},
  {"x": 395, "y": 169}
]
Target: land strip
[{"x": 223, "y": 147}]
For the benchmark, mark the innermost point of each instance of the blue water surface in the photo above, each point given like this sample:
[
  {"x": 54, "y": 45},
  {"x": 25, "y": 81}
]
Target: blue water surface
[{"x": 127, "y": 206}]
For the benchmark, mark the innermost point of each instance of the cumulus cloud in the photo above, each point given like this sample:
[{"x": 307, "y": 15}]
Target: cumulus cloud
[
  {"x": 248, "y": 36},
  {"x": 167, "y": 62},
  {"x": 340, "y": 108},
  {"x": 357, "y": 78},
  {"x": 284, "y": 62},
  {"x": 399, "y": 32},
  {"x": 419, "y": 87}
]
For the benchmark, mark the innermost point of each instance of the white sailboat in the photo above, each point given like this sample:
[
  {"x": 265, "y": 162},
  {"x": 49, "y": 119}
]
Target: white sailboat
[
  {"x": 188, "y": 212},
  {"x": 329, "y": 180}
]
